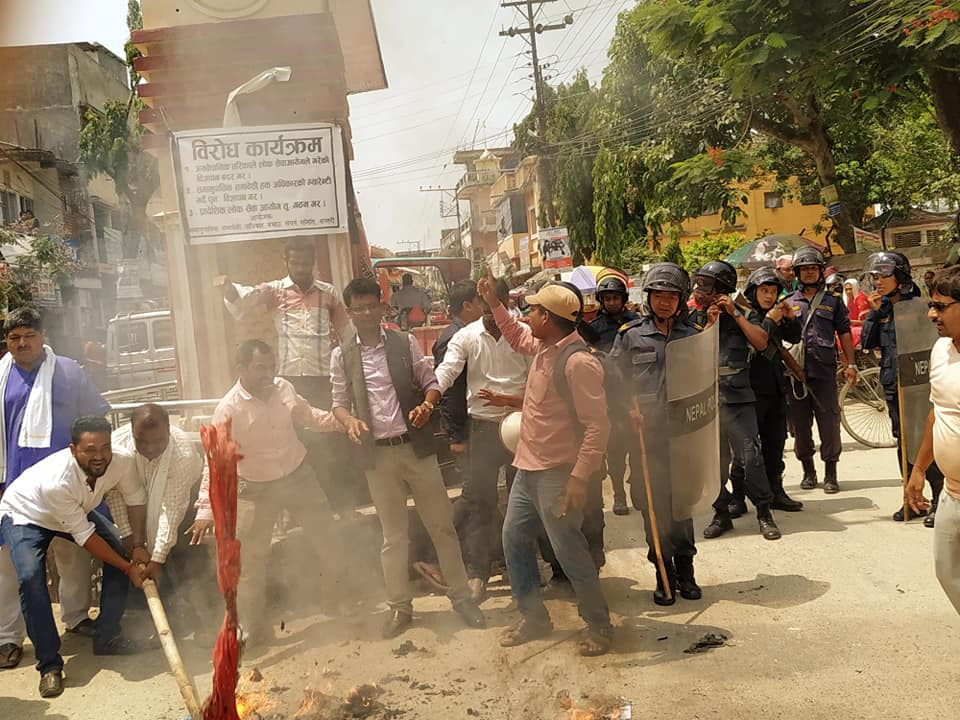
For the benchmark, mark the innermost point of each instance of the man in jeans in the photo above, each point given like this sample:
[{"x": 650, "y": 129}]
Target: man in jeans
[
  {"x": 494, "y": 373},
  {"x": 941, "y": 438},
  {"x": 56, "y": 498},
  {"x": 556, "y": 455},
  {"x": 384, "y": 392},
  {"x": 274, "y": 475}
]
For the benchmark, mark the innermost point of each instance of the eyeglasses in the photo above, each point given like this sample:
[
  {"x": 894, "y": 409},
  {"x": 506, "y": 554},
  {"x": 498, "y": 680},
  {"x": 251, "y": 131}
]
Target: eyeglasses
[
  {"x": 369, "y": 310},
  {"x": 940, "y": 306}
]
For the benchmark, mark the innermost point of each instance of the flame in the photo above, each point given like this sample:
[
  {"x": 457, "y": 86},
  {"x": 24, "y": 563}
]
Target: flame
[{"x": 250, "y": 703}]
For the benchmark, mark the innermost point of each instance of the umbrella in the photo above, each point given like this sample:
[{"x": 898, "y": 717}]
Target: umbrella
[{"x": 765, "y": 251}]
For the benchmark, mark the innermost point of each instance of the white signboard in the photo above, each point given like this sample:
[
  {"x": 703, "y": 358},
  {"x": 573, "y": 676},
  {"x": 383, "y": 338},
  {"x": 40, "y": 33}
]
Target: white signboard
[
  {"x": 555, "y": 248},
  {"x": 257, "y": 183}
]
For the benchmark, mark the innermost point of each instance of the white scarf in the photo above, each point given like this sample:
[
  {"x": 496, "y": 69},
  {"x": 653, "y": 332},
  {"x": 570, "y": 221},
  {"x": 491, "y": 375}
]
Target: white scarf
[{"x": 37, "y": 426}]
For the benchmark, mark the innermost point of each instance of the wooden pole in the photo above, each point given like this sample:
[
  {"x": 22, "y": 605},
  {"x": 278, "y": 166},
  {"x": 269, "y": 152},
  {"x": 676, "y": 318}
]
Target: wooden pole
[
  {"x": 904, "y": 464},
  {"x": 170, "y": 650},
  {"x": 651, "y": 512}
]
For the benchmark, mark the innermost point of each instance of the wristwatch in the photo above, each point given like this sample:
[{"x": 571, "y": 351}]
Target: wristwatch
[{"x": 737, "y": 312}]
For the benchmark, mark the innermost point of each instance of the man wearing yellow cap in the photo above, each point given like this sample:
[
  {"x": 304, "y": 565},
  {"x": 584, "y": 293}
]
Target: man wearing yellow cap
[{"x": 563, "y": 437}]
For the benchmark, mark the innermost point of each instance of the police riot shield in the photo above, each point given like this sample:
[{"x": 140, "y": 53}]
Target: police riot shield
[
  {"x": 915, "y": 338},
  {"x": 693, "y": 421}
]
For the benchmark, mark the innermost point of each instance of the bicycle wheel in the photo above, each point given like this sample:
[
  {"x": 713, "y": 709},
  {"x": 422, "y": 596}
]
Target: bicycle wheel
[{"x": 863, "y": 411}]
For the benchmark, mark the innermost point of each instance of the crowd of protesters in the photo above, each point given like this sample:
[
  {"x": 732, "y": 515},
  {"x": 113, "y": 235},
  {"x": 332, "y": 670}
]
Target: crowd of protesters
[{"x": 593, "y": 401}]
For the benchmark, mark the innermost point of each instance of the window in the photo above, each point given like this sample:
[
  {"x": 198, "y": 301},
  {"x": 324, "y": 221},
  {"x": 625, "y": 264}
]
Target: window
[
  {"x": 132, "y": 337},
  {"x": 162, "y": 335},
  {"x": 906, "y": 239},
  {"x": 935, "y": 236},
  {"x": 9, "y": 208},
  {"x": 26, "y": 205},
  {"x": 772, "y": 200}
]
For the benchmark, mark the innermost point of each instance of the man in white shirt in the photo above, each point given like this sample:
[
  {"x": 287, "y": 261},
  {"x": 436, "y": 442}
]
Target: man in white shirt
[
  {"x": 941, "y": 439},
  {"x": 169, "y": 465},
  {"x": 56, "y": 498},
  {"x": 495, "y": 372}
]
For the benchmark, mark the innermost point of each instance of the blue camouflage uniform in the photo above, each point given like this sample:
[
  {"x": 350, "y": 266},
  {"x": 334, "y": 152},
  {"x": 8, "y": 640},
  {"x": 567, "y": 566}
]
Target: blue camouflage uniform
[
  {"x": 739, "y": 434},
  {"x": 830, "y": 319},
  {"x": 639, "y": 352}
]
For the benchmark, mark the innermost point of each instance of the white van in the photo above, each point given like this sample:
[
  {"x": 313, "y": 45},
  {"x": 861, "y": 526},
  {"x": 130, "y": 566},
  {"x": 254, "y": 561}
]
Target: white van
[{"x": 140, "y": 350}]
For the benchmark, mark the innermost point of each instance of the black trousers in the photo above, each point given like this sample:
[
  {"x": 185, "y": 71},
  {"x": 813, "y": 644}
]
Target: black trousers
[
  {"x": 676, "y": 536},
  {"x": 772, "y": 427},
  {"x": 328, "y": 453},
  {"x": 934, "y": 476},
  {"x": 826, "y": 410},
  {"x": 740, "y": 443}
]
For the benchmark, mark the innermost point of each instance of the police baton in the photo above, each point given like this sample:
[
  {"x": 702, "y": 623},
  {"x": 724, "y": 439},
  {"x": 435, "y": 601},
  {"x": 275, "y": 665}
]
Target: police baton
[{"x": 654, "y": 526}]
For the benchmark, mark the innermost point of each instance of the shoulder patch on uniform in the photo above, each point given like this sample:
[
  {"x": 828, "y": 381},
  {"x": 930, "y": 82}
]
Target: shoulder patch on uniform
[{"x": 629, "y": 324}]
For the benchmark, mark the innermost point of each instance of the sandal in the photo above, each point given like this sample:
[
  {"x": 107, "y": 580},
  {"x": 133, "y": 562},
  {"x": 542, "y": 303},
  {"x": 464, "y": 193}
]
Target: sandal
[
  {"x": 10, "y": 655},
  {"x": 597, "y": 642},
  {"x": 431, "y": 573},
  {"x": 525, "y": 630}
]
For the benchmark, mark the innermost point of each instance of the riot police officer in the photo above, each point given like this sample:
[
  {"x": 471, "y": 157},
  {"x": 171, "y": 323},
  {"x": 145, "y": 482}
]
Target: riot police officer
[
  {"x": 739, "y": 436},
  {"x": 822, "y": 315},
  {"x": 612, "y": 293},
  {"x": 769, "y": 383},
  {"x": 891, "y": 278},
  {"x": 639, "y": 353}
]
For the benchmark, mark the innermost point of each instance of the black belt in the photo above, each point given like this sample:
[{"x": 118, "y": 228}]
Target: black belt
[{"x": 393, "y": 441}]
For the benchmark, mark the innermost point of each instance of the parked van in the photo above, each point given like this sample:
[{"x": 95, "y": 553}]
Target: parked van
[{"x": 140, "y": 349}]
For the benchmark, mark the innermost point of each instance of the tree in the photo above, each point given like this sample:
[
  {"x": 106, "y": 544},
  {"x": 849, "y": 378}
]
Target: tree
[
  {"x": 110, "y": 144},
  {"x": 42, "y": 258}
]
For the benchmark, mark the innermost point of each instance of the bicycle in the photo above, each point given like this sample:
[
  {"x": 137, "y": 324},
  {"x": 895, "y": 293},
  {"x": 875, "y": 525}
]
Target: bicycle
[{"x": 863, "y": 406}]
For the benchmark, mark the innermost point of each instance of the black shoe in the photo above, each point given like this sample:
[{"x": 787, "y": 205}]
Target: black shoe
[
  {"x": 830, "y": 484},
  {"x": 398, "y": 621},
  {"x": 930, "y": 520},
  {"x": 898, "y": 515},
  {"x": 119, "y": 645},
  {"x": 720, "y": 524},
  {"x": 782, "y": 501},
  {"x": 686, "y": 583},
  {"x": 768, "y": 527},
  {"x": 737, "y": 507},
  {"x": 660, "y": 595},
  {"x": 85, "y": 627},
  {"x": 468, "y": 610},
  {"x": 51, "y": 684},
  {"x": 620, "y": 507},
  {"x": 809, "y": 481}
]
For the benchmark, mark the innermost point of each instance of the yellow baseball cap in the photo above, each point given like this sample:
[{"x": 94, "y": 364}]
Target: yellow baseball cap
[{"x": 559, "y": 300}]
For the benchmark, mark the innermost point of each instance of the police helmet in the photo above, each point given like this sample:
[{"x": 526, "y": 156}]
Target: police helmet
[
  {"x": 808, "y": 256},
  {"x": 723, "y": 273},
  {"x": 890, "y": 263},
  {"x": 834, "y": 281},
  {"x": 667, "y": 277},
  {"x": 761, "y": 276},
  {"x": 614, "y": 284}
]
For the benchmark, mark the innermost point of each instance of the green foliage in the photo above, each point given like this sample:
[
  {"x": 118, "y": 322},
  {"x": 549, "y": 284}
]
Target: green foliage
[
  {"x": 674, "y": 253},
  {"x": 709, "y": 247},
  {"x": 45, "y": 258}
]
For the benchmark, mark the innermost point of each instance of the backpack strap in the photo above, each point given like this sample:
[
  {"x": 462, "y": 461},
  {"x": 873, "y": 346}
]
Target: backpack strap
[{"x": 560, "y": 377}]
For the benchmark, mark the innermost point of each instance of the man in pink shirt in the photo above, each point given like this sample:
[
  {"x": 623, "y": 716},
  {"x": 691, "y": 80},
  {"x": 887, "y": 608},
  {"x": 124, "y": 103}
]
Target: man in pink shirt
[
  {"x": 563, "y": 437},
  {"x": 274, "y": 476},
  {"x": 384, "y": 392}
]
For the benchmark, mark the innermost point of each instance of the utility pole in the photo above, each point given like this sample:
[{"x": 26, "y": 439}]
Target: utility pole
[
  {"x": 447, "y": 211},
  {"x": 529, "y": 33}
]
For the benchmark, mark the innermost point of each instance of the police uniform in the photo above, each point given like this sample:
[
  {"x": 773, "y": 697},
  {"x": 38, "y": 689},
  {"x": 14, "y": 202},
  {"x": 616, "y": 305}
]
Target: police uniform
[
  {"x": 880, "y": 331},
  {"x": 821, "y": 400},
  {"x": 605, "y": 329},
  {"x": 771, "y": 387},
  {"x": 639, "y": 352},
  {"x": 739, "y": 435}
]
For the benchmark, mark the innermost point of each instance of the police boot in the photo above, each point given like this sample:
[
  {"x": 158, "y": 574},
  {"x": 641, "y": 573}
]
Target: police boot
[
  {"x": 782, "y": 501},
  {"x": 660, "y": 595},
  {"x": 718, "y": 526},
  {"x": 809, "y": 481},
  {"x": 767, "y": 526},
  {"x": 830, "y": 485},
  {"x": 686, "y": 583}
]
